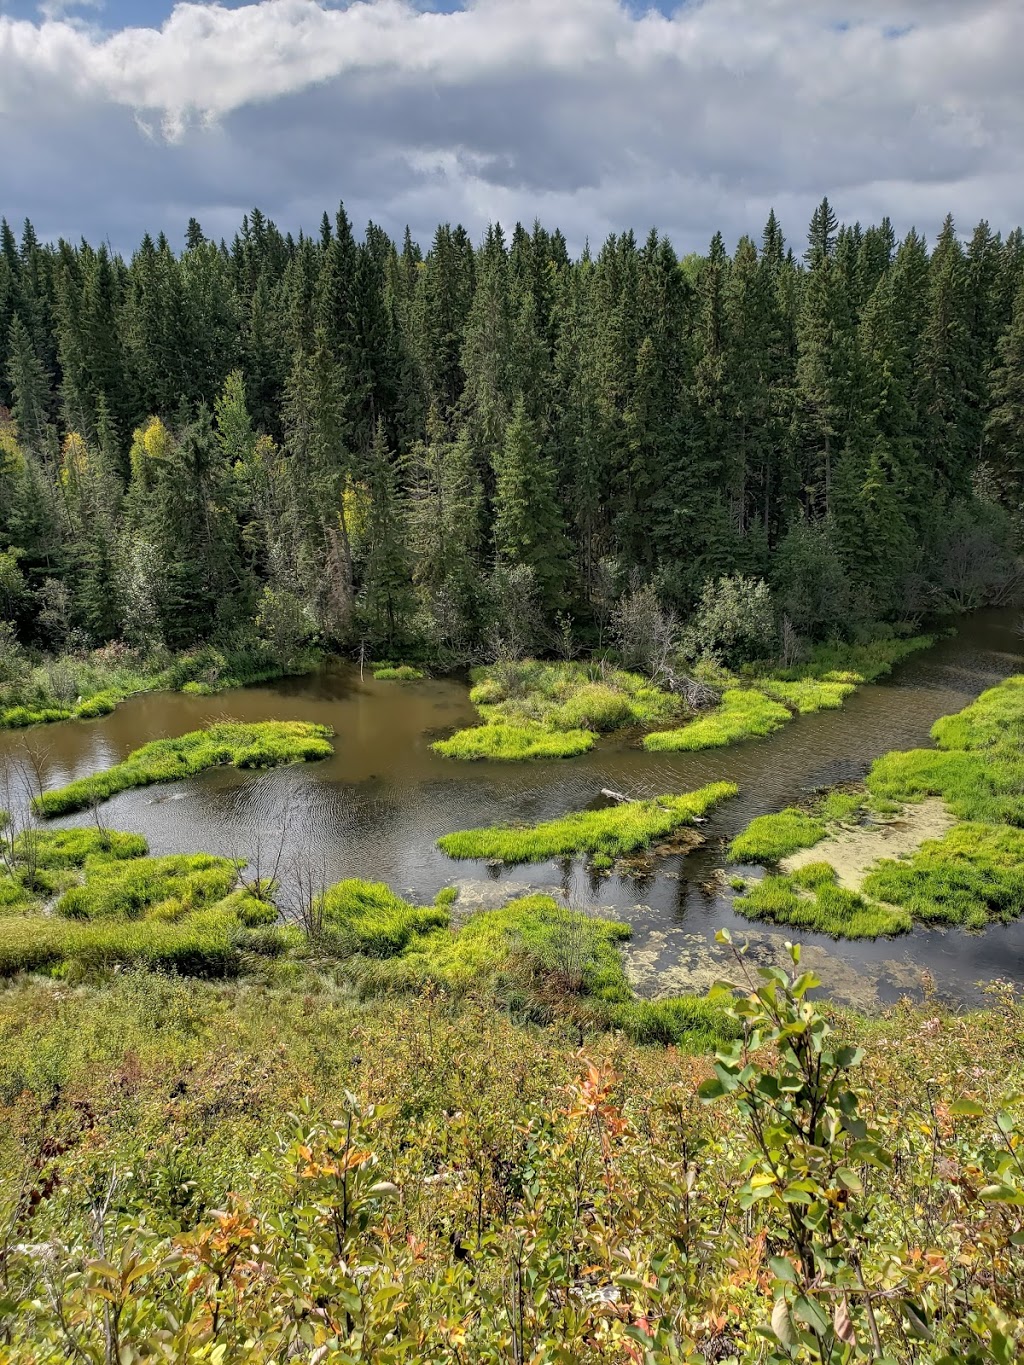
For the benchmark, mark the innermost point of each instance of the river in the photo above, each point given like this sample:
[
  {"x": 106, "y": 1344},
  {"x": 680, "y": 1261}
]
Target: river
[{"x": 376, "y": 808}]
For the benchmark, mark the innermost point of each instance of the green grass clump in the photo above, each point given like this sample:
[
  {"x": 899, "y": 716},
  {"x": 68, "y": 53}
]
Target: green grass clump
[
  {"x": 99, "y": 705},
  {"x": 691, "y": 1019},
  {"x": 264, "y": 745},
  {"x": 614, "y": 831},
  {"x": 20, "y": 717},
  {"x": 513, "y": 743},
  {"x": 807, "y": 696},
  {"x": 839, "y": 807},
  {"x": 811, "y": 898},
  {"x": 149, "y": 888},
  {"x": 399, "y": 673},
  {"x": 200, "y": 945},
  {"x": 533, "y": 936},
  {"x": 743, "y": 714},
  {"x": 859, "y": 663},
  {"x": 974, "y": 875},
  {"x": 770, "y": 838},
  {"x": 66, "y": 848},
  {"x": 994, "y": 721},
  {"x": 369, "y": 918}
]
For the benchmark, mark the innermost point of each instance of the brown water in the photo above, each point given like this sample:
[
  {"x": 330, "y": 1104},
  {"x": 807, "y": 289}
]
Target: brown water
[{"x": 376, "y": 808}]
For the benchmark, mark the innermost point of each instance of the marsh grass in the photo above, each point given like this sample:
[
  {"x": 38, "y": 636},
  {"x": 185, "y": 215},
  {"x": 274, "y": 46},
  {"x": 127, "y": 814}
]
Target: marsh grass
[
  {"x": 398, "y": 673},
  {"x": 972, "y": 876},
  {"x": 743, "y": 714},
  {"x": 533, "y": 709},
  {"x": 762, "y": 704},
  {"x": 807, "y": 696},
  {"x": 609, "y": 833},
  {"x": 370, "y": 918},
  {"x": 267, "y": 744},
  {"x": 513, "y": 743},
  {"x": 812, "y": 899},
  {"x": 570, "y": 696},
  {"x": 770, "y": 838}
]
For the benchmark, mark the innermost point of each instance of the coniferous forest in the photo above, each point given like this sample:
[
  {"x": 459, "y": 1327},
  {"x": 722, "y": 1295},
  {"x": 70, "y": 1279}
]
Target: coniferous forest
[{"x": 362, "y": 443}]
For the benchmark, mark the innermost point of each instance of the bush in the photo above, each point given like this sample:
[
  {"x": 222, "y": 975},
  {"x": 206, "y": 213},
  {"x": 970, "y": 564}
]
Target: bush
[{"x": 734, "y": 622}]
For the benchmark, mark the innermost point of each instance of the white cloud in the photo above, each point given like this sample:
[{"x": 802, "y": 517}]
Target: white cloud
[{"x": 581, "y": 111}]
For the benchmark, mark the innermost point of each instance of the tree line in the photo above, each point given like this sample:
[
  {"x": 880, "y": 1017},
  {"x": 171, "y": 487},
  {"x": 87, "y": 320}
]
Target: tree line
[{"x": 429, "y": 452}]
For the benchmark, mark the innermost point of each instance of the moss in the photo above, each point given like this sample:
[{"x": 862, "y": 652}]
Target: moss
[
  {"x": 770, "y": 838},
  {"x": 263, "y": 745},
  {"x": 612, "y": 832},
  {"x": 974, "y": 875},
  {"x": 399, "y": 673},
  {"x": 513, "y": 743},
  {"x": 743, "y": 714},
  {"x": 812, "y": 899}
]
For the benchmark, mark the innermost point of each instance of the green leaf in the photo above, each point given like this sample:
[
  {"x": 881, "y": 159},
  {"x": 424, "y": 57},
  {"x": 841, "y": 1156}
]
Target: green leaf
[
  {"x": 808, "y": 1312},
  {"x": 848, "y": 1057},
  {"x": 967, "y": 1109},
  {"x": 917, "y": 1324},
  {"x": 782, "y": 1324},
  {"x": 783, "y": 1269},
  {"x": 710, "y": 1090},
  {"x": 1002, "y": 1194}
]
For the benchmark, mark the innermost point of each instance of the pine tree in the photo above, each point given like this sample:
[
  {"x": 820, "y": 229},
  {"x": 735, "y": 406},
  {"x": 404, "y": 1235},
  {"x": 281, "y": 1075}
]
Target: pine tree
[
  {"x": 528, "y": 526},
  {"x": 385, "y": 604}
]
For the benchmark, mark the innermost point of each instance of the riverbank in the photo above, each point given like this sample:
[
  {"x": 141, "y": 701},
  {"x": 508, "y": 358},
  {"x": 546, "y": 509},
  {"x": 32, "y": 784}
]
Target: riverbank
[
  {"x": 935, "y": 836},
  {"x": 86, "y": 686}
]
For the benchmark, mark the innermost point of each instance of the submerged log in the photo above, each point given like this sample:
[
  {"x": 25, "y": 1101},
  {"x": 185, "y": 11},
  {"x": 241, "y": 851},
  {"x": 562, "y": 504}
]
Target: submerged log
[{"x": 617, "y": 797}]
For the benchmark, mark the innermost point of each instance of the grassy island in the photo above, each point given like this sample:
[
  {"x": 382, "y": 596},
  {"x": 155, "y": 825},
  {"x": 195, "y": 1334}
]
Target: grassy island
[
  {"x": 612, "y": 832},
  {"x": 267, "y": 744}
]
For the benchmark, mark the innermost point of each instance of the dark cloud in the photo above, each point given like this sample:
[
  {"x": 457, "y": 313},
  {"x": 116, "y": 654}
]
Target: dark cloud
[{"x": 592, "y": 114}]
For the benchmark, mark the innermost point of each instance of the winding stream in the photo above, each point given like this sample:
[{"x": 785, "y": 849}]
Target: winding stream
[{"x": 377, "y": 807}]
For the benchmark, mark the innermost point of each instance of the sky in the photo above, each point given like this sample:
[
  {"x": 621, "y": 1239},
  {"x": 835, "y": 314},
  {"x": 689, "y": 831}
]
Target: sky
[{"x": 122, "y": 116}]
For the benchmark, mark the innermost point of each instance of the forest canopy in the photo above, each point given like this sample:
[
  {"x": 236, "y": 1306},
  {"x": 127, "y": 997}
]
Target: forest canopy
[{"x": 475, "y": 451}]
